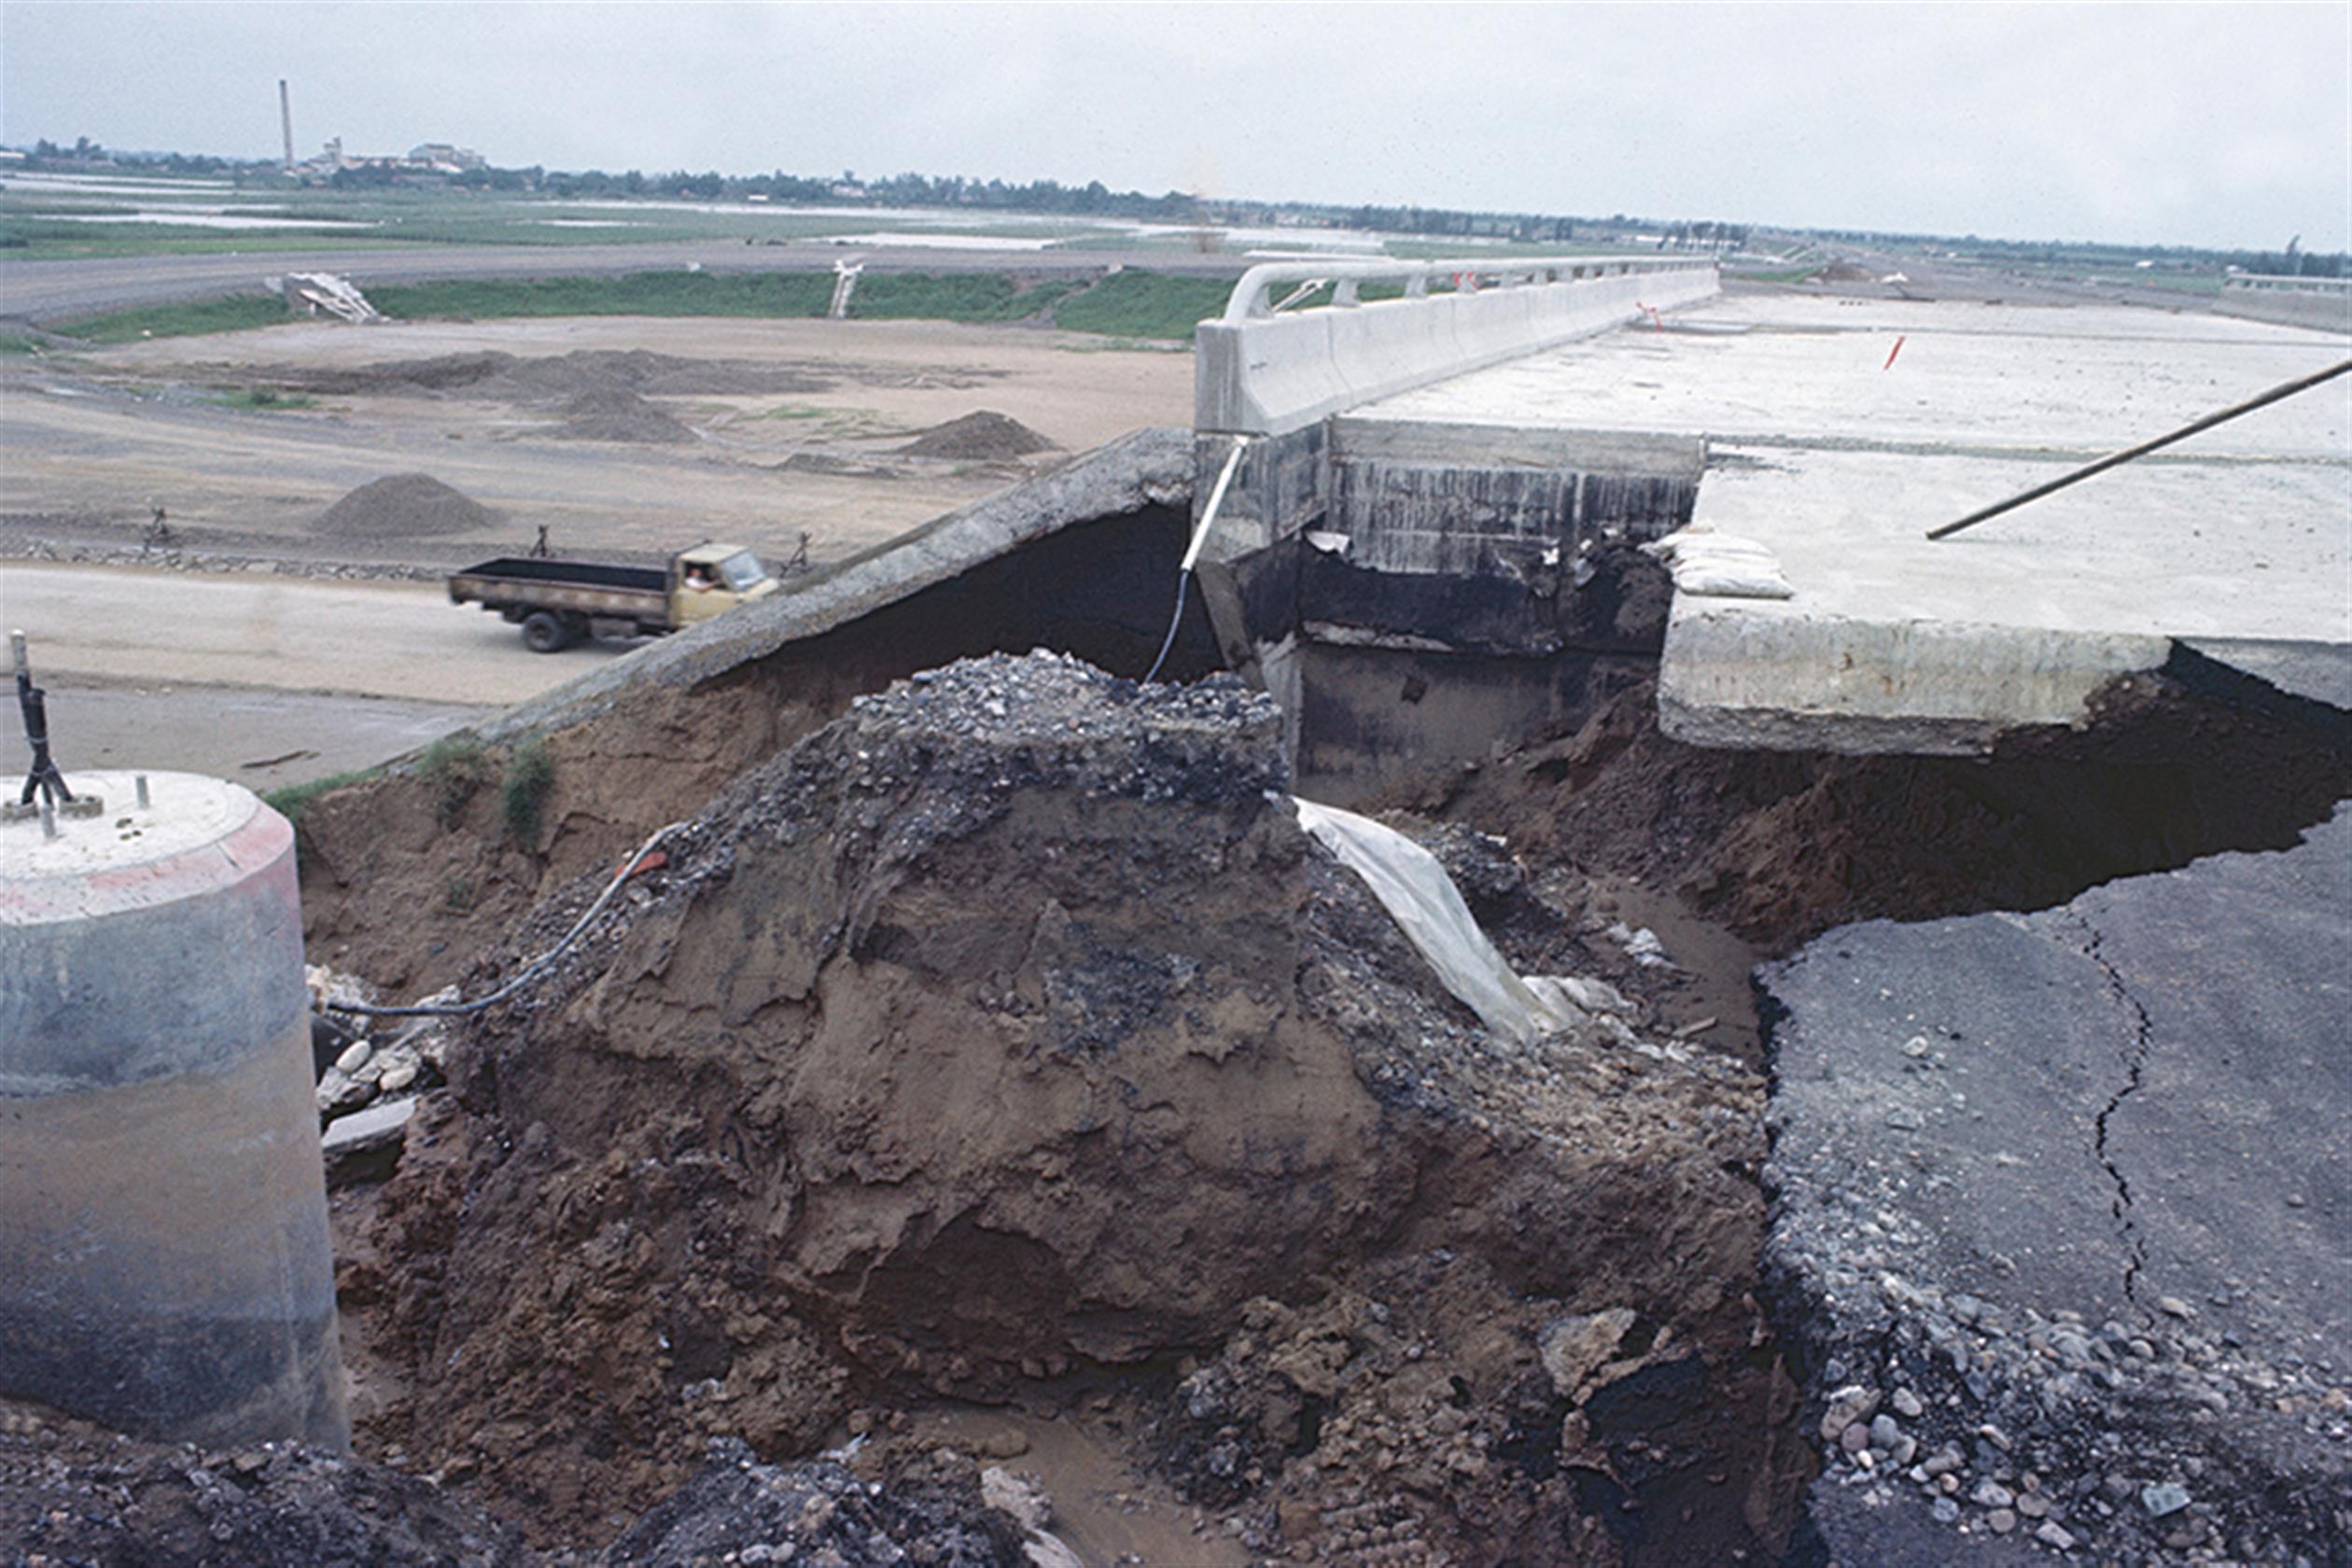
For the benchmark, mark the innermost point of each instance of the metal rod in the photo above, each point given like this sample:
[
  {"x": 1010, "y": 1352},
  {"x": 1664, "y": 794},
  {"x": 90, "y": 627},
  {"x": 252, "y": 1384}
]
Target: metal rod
[{"x": 2286, "y": 389}]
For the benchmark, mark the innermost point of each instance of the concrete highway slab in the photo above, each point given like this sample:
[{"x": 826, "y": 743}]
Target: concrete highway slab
[{"x": 1840, "y": 431}]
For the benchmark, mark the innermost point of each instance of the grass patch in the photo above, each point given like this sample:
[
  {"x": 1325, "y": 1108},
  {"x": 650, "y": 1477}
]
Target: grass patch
[
  {"x": 18, "y": 342},
  {"x": 264, "y": 398},
  {"x": 665, "y": 293},
  {"x": 530, "y": 773},
  {"x": 453, "y": 765},
  {"x": 1132, "y": 304},
  {"x": 293, "y": 801},
  {"x": 975, "y": 297},
  {"x": 1791, "y": 274},
  {"x": 1135, "y": 303},
  {"x": 232, "y": 313}
]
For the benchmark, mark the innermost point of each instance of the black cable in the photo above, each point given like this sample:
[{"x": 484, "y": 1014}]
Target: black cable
[{"x": 1173, "y": 622}]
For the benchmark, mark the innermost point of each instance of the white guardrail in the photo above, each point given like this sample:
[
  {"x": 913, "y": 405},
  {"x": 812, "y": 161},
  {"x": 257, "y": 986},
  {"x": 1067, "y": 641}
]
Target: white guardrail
[{"x": 1262, "y": 370}]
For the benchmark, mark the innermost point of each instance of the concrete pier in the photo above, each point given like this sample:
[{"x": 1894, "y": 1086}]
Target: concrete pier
[{"x": 164, "y": 1261}]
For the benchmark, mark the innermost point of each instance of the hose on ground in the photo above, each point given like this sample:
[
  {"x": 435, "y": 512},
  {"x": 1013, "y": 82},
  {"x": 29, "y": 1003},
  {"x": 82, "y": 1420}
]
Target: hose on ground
[{"x": 531, "y": 971}]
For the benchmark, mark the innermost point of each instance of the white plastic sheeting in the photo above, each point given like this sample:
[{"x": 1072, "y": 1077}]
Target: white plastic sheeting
[{"x": 1427, "y": 907}]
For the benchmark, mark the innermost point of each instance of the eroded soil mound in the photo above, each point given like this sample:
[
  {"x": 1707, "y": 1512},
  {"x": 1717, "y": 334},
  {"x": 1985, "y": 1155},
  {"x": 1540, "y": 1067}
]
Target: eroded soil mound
[
  {"x": 980, "y": 437},
  {"x": 1781, "y": 846},
  {"x": 405, "y": 506},
  {"x": 1008, "y": 1031}
]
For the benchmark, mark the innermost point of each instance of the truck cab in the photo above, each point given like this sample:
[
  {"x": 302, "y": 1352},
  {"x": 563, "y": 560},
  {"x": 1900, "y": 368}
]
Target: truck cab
[{"x": 712, "y": 578}]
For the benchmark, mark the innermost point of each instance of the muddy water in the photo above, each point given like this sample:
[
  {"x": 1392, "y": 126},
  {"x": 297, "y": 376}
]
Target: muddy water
[{"x": 1102, "y": 1509}]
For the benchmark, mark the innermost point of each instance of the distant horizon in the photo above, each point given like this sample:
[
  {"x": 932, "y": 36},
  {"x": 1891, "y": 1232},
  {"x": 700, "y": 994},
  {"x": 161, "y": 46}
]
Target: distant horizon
[{"x": 273, "y": 161}]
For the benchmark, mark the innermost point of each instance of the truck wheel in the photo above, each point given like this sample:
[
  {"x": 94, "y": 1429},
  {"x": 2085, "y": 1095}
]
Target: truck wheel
[{"x": 544, "y": 632}]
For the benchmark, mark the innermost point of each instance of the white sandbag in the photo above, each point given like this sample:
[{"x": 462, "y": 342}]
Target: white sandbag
[{"x": 1721, "y": 565}]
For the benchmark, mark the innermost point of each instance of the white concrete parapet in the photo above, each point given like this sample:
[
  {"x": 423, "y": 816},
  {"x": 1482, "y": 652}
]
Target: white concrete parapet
[
  {"x": 2321, "y": 302},
  {"x": 1259, "y": 372}
]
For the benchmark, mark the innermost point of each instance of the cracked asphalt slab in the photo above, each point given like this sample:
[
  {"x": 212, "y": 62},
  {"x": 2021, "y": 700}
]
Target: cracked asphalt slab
[{"x": 2061, "y": 1233}]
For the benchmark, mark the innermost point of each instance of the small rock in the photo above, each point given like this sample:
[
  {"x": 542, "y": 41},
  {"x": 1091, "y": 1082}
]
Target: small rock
[
  {"x": 1945, "y": 1510},
  {"x": 394, "y": 1079},
  {"x": 2172, "y": 1306},
  {"x": 355, "y": 1057},
  {"x": 2056, "y": 1535},
  {"x": 1907, "y": 1404},
  {"x": 1854, "y": 1439},
  {"x": 2033, "y": 1504},
  {"x": 1856, "y": 1402},
  {"x": 2163, "y": 1498},
  {"x": 2002, "y": 1521},
  {"x": 1885, "y": 1432},
  {"x": 1991, "y": 1494}
]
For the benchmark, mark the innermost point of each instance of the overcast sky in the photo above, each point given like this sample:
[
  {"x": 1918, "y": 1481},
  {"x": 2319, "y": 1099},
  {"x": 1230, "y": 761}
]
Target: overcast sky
[{"x": 2229, "y": 125}]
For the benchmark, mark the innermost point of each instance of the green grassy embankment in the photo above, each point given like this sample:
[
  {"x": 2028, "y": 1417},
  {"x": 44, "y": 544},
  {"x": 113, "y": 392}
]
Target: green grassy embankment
[{"x": 1129, "y": 304}]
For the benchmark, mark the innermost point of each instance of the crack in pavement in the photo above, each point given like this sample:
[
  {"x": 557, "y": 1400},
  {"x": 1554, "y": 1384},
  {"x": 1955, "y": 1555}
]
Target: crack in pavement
[{"x": 2136, "y": 1062}]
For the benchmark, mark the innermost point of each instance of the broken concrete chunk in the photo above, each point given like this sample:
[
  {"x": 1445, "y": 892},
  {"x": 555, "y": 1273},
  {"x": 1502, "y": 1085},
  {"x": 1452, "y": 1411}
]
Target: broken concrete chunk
[
  {"x": 1574, "y": 1348},
  {"x": 365, "y": 1145}
]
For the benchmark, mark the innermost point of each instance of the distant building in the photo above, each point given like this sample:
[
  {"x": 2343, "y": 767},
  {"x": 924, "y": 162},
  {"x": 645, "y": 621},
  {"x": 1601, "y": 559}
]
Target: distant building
[{"x": 447, "y": 155}]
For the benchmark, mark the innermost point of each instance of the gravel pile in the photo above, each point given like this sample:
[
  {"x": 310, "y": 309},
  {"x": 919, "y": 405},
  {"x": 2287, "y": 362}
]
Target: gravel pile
[
  {"x": 615, "y": 413},
  {"x": 406, "y": 506},
  {"x": 981, "y": 437}
]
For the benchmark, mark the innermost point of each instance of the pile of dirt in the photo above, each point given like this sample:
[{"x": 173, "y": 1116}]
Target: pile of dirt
[
  {"x": 614, "y": 413},
  {"x": 406, "y": 506},
  {"x": 981, "y": 437},
  {"x": 1009, "y": 1030}
]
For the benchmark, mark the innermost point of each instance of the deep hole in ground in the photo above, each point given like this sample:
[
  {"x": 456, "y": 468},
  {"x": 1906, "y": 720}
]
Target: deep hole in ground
[{"x": 999, "y": 1050}]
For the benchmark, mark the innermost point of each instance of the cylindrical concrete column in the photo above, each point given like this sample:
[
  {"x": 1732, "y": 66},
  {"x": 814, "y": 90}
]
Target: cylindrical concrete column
[{"x": 164, "y": 1260}]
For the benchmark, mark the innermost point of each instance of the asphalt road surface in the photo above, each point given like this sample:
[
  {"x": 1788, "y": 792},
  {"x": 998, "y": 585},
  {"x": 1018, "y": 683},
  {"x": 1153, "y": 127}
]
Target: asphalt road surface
[{"x": 399, "y": 640}]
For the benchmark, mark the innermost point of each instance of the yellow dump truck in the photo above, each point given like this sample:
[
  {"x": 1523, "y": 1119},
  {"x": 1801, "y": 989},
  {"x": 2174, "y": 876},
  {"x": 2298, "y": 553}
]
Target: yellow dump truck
[{"x": 557, "y": 603}]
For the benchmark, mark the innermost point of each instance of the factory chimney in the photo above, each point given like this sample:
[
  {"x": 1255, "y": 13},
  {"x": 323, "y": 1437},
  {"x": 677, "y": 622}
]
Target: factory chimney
[{"x": 286, "y": 123}]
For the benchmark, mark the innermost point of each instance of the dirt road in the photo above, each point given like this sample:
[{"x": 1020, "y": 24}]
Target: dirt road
[
  {"x": 90, "y": 441},
  {"x": 374, "y": 639}
]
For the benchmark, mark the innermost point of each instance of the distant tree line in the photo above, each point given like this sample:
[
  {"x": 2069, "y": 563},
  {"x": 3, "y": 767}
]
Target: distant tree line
[{"x": 1096, "y": 200}]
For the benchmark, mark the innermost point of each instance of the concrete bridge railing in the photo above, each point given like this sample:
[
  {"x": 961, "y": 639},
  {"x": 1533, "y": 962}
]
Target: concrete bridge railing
[
  {"x": 1261, "y": 370},
  {"x": 2324, "y": 303}
]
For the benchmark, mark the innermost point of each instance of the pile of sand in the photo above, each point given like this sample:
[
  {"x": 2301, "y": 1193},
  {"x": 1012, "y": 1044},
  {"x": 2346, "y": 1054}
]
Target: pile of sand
[
  {"x": 984, "y": 437},
  {"x": 405, "y": 506},
  {"x": 615, "y": 413}
]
